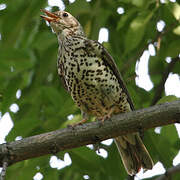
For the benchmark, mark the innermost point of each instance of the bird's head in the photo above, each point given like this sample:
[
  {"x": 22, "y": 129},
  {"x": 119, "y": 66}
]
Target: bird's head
[{"x": 63, "y": 23}]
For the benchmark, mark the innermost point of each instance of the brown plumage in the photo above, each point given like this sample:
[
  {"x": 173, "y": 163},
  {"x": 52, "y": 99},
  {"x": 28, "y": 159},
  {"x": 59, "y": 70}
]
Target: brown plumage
[{"x": 90, "y": 75}]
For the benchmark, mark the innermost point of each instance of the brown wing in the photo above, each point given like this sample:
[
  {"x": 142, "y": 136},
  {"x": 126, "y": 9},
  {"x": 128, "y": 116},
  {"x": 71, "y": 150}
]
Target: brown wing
[
  {"x": 107, "y": 58},
  {"x": 61, "y": 74},
  {"x": 64, "y": 83}
]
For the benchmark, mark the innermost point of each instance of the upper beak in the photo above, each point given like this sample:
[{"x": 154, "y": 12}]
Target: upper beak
[{"x": 50, "y": 16}]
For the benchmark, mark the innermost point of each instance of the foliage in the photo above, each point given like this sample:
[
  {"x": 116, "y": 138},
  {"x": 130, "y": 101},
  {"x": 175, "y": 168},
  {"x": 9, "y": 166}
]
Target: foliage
[{"x": 28, "y": 52}]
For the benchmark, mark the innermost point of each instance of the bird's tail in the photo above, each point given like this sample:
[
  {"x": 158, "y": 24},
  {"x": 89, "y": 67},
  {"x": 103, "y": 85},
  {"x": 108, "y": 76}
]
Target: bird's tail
[{"x": 133, "y": 153}]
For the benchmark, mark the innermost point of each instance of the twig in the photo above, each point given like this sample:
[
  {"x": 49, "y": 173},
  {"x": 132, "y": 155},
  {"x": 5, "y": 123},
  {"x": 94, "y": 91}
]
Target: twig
[
  {"x": 169, "y": 172},
  {"x": 160, "y": 88},
  {"x": 91, "y": 133}
]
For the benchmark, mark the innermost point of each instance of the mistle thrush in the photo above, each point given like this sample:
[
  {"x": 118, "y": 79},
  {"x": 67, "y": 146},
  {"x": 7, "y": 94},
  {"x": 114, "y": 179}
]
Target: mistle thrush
[{"x": 90, "y": 75}]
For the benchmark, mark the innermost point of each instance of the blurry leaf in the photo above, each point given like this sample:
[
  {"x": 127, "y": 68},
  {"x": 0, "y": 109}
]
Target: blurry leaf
[
  {"x": 28, "y": 168},
  {"x": 170, "y": 130},
  {"x": 167, "y": 14},
  {"x": 13, "y": 61},
  {"x": 87, "y": 161},
  {"x": 177, "y": 30},
  {"x": 156, "y": 68},
  {"x": 9, "y": 95},
  {"x": 136, "y": 30},
  {"x": 79, "y": 7},
  {"x": 24, "y": 125},
  {"x": 19, "y": 20},
  {"x": 158, "y": 150},
  {"x": 29, "y": 32},
  {"x": 124, "y": 18},
  {"x": 175, "y": 8},
  {"x": 173, "y": 48},
  {"x": 138, "y": 3},
  {"x": 50, "y": 173},
  {"x": 116, "y": 169},
  {"x": 169, "y": 98},
  {"x": 44, "y": 40},
  {"x": 53, "y": 96}
]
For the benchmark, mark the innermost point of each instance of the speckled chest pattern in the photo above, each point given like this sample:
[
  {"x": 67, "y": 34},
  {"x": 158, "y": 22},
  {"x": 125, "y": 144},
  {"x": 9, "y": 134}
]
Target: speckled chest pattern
[{"x": 92, "y": 84}]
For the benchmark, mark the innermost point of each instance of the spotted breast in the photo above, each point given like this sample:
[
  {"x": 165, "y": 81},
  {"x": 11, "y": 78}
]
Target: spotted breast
[{"x": 92, "y": 84}]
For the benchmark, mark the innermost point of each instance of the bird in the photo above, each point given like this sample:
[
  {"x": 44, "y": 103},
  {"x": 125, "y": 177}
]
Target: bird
[{"x": 89, "y": 73}]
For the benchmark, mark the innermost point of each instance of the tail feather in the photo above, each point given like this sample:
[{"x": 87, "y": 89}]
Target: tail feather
[{"x": 133, "y": 153}]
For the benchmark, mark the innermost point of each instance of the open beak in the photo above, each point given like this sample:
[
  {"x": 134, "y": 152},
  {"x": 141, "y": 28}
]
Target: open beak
[{"x": 50, "y": 16}]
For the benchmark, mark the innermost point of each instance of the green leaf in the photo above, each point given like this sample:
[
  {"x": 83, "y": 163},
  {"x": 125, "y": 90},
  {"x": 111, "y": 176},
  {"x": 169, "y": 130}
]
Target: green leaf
[
  {"x": 13, "y": 61},
  {"x": 169, "y": 98},
  {"x": 44, "y": 40},
  {"x": 125, "y": 17},
  {"x": 136, "y": 30},
  {"x": 173, "y": 49},
  {"x": 9, "y": 95},
  {"x": 157, "y": 145},
  {"x": 171, "y": 130},
  {"x": 86, "y": 160},
  {"x": 138, "y": 3},
  {"x": 156, "y": 68},
  {"x": 28, "y": 168}
]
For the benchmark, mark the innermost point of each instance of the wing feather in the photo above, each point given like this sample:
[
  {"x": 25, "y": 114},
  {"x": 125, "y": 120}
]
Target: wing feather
[{"x": 101, "y": 52}]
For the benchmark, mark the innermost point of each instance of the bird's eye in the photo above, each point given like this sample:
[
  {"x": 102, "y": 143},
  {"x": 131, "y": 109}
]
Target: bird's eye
[{"x": 65, "y": 14}]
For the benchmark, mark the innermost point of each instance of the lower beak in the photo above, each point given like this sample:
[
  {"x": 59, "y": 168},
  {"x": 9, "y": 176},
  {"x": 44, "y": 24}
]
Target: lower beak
[{"x": 50, "y": 16}]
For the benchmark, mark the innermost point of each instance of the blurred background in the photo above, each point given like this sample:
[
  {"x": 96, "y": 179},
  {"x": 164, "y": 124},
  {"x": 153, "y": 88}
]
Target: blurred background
[{"x": 144, "y": 39}]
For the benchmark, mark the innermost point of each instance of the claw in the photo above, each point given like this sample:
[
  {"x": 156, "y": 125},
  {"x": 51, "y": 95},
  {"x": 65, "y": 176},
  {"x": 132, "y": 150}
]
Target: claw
[{"x": 108, "y": 115}]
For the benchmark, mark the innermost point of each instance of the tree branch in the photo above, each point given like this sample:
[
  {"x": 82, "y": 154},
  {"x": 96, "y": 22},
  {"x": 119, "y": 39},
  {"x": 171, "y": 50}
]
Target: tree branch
[
  {"x": 4, "y": 162},
  {"x": 159, "y": 89},
  {"x": 169, "y": 172},
  {"x": 90, "y": 133}
]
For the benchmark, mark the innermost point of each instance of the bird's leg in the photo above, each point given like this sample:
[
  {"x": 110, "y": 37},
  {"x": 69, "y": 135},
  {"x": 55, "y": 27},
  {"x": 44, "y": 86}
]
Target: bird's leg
[{"x": 85, "y": 118}]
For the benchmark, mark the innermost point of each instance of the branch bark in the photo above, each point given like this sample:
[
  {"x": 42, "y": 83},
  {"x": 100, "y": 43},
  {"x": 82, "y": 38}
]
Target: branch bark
[
  {"x": 169, "y": 173},
  {"x": 90, "y": 133}
]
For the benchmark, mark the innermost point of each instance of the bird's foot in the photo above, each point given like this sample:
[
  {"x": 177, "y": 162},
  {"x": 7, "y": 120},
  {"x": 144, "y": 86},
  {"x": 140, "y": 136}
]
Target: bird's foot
[
  {"x": 78, "y": 123},
  {"x": 103, "y": 118},
  {"x": 108, "y": 115}
]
